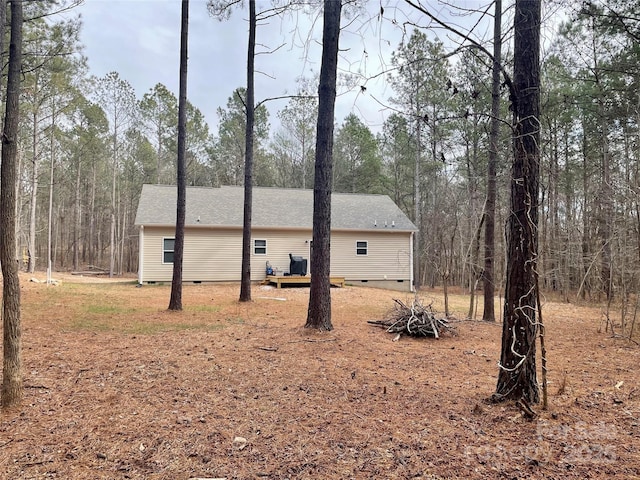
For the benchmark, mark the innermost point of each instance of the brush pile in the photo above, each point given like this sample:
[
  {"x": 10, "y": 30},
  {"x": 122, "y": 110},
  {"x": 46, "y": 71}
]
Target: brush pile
[{"x": 416, "y": 320}]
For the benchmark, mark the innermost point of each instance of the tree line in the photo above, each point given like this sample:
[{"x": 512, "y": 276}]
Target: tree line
[
  {"x": 88, "y": 144},
  {"x": 571, "y": 142}
]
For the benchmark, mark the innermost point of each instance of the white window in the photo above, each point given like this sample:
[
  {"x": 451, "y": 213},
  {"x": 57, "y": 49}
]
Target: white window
[
  {"x": 259, "y": 247},
  {"x": 168, "y": 245},
  {"x": 362, "y": 247}
]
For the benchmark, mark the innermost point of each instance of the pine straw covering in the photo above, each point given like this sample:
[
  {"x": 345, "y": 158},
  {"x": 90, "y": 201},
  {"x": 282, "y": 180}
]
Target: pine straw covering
[
  {"x": 416, "y": 320},
  {"x": 116, "y": 387}
]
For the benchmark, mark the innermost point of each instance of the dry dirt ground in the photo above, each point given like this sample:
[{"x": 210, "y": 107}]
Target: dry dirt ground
[{"x": 118, "y": 387}]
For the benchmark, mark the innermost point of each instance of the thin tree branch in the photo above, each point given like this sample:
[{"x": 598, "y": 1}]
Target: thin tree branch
[{"x": 473, "y": 43}]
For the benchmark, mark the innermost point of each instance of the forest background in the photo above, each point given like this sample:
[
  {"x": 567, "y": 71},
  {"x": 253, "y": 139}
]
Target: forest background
[{"x": 89, "y": 143}]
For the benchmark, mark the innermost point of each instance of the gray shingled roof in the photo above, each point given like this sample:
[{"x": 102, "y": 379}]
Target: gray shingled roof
[{"x": 272, "y": 207}]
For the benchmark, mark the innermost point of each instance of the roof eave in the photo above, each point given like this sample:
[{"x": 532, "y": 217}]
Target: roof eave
[{"x": 279, "y": 227}]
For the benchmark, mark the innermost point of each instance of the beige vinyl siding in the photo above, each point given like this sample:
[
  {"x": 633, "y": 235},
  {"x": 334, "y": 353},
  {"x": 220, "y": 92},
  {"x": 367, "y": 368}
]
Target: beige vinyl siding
[
  {"x": 280, "y": 244},
  {"x": 206, "y": 257},
  {"x": 216, "y": 254},
  {"x": 387, "y": 254},
  {"x": 154, "y": 269},
  {"x": 210, "y": 257}
]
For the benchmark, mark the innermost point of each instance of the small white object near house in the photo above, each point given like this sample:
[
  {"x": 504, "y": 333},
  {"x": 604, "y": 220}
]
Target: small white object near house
[{"x": 361, "y": 252}]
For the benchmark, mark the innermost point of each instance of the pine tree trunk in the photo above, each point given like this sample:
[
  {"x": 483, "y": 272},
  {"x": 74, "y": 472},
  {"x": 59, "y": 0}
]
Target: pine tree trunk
[
  {"x": 556, "y": 280},
  {"x": 319, "y": 313},
  {"x": 517, "y": 375},
  {"x": 31, "y": 267},
  {"x": 112, "y": 212},
  {"x": 50, "y": 253},
  {"x": 92, "y": 217},
  {"x": 417, "y": 218},
  {"x": 175, "y": 303},
  {"x": 12, "y": 331},
  {"x": 3, "y": 23},
  {"x": 584, "y": 287},
  {"x": 77, "y": 218},
  {"x": 245, "y": 282},
  {"x": 488, "y": 313},
  {"x": 123, "y": 236},
  {"x": 605, "y": 219}
]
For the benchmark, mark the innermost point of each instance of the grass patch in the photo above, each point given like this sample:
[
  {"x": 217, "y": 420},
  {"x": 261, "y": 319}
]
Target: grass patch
[
  {"x": 134, "y": 320},
  {"x": 155, "y": 328},
  {"x": 235, "y": 320},
  {"x": 106, "y": 325},
  {"x": 110, "y": 309},
  {"x": 91, "y": 324},
  {"x": 97, "y": 287},
  {"x": 141, "y": 328},
  {"x": 129, "y": 319},
  {"x": 203, "y": 308},
  {"x": 121, "y": 308}
]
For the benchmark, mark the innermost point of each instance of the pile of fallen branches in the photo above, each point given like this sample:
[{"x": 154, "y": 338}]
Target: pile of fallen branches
[{"x": 416, "y": 320}]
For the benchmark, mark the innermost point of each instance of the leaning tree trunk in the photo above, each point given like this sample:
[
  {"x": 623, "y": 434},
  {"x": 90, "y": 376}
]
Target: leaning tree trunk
[
  {"x": 517, "y": 375},
  {"x": 12, "y": 331},
  {"x": 319, "y": 313}
]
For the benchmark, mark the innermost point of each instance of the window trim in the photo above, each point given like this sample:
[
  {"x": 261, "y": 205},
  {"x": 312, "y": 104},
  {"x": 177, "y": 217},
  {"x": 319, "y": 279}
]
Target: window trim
[
  {"x": 256, "y": 247},
  {"x": 165, "y": 250},
  {"x": 360, "y": 248}
]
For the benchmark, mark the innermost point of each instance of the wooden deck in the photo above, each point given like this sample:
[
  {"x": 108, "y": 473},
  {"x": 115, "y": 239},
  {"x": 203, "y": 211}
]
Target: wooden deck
[{"x": 280, "y": 280}]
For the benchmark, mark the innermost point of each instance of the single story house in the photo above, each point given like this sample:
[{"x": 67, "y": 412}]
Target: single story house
[{"x": 371, "y": 239}]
